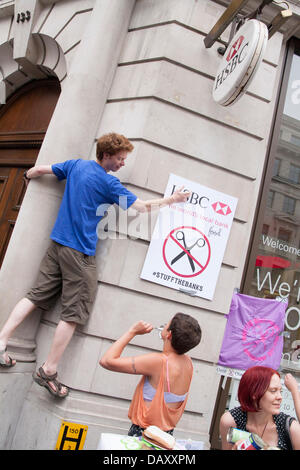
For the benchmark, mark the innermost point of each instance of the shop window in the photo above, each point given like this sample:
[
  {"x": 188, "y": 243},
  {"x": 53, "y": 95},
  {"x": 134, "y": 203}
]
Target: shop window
[
  {"x": 295, "y": 139},
  {"x": 281, "y": 241},
  {"x": 270, "y": 199},
  {"x": 284, "y": 235},
  {"x": 289, "y": 205},
  {"x": 276, "y": 169},
  {"x": 265, "y": 229},
  {"x": 294, "y": 175},
  {"x": 273, "y": 265}
]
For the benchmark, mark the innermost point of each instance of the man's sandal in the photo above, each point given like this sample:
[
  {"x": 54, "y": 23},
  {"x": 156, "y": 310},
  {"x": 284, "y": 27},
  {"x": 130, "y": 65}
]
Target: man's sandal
[
  {"x": 3, "y": 362},
  {"x": 43, "y": 380}
]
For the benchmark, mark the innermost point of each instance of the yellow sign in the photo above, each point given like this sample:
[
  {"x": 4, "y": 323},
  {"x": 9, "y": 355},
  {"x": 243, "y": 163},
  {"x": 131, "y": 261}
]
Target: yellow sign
[{"x": 71, "y": 436}]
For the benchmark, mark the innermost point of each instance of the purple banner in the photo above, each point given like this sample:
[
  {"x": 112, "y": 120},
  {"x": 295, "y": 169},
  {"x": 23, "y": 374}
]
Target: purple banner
[{"x": 253, "y": 333}]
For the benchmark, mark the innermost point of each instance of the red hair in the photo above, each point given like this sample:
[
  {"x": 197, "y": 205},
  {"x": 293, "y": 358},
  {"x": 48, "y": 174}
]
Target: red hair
[{"x": 253, "y": 385}]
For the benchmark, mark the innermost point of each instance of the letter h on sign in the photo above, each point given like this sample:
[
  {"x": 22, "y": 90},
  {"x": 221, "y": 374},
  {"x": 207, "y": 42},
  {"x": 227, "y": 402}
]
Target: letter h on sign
[
  {"x": 70, "y": 439},
  {"x": 71, "y": 436}
]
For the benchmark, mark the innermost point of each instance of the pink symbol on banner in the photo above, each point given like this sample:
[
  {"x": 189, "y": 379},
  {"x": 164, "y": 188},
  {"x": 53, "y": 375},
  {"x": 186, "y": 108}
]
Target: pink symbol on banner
[{"x": 260, "y": 337}]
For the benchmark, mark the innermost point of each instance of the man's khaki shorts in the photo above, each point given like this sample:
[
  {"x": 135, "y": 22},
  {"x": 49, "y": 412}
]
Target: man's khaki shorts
[{"x": 71, "y": 274}]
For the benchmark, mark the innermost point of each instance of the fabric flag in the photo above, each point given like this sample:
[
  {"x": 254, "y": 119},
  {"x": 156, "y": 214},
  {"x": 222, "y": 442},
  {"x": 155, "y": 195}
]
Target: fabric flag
[{"x": 253, "y": 333}]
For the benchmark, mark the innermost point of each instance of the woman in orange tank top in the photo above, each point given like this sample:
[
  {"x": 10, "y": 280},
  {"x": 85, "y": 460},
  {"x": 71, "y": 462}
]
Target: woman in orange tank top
[{"x": 161, "y": 395}]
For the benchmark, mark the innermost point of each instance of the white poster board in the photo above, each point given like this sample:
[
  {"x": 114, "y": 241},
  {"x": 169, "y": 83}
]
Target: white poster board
[{"x": 189, "y": 239}]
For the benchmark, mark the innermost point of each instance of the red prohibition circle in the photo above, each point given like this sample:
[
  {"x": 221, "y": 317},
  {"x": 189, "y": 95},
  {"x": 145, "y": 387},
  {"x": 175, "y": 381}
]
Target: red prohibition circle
[{"x": 202, "y": 268}]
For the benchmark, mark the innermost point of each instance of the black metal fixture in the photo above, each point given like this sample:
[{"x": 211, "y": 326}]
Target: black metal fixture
[{"x": 233, "y": 15}]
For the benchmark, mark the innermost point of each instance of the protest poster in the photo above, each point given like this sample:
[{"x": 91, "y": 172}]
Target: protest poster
[{"x": 189, "y": 239}]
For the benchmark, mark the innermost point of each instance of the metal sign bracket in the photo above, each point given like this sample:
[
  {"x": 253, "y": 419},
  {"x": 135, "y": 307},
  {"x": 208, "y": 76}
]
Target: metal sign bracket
[{"x": 234, "y": 16}]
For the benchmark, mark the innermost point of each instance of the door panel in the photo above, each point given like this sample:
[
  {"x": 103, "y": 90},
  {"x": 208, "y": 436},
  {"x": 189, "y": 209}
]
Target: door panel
[
  {"x": 23, "y": 124},
  {"x": 12, "y": 191}
]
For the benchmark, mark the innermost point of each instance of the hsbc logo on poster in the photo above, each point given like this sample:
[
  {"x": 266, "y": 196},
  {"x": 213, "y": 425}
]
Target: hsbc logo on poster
[
  {"x": 221, "y": 208},
  {"x": 189, "y": 239},
  {"x": 202, "y": 200}
]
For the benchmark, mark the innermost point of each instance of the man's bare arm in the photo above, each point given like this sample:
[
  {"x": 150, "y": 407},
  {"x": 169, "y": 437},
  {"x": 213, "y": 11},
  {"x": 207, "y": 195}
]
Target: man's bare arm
[
  {"x": 37, "y": 171},
  {"x": 146, "y": 206}
]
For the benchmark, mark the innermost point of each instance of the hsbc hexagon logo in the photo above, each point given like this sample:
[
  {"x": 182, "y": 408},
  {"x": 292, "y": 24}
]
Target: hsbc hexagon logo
[
  {"x": 235, "y": 48},
  {"x": 221, "y": 208}
]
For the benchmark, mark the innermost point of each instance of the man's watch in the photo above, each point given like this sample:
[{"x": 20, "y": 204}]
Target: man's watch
[{"x": 25, "y": 175}]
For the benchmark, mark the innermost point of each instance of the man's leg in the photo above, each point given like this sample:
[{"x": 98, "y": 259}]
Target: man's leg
[
  {"x": 79, "y": 288},
  {"x": 62, "y": 336},
  {"x": 22, "y": 309}
]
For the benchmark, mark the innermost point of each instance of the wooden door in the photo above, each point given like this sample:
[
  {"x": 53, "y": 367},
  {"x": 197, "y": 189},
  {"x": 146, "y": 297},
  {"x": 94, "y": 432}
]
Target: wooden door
[
  {"x": 23, "y": 124},
  {"x": 12, "y": 190}
]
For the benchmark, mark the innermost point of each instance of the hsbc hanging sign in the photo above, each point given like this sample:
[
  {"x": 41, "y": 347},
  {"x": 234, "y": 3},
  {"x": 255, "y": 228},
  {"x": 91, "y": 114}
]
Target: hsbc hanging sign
[{"x": 240, "y": 62}]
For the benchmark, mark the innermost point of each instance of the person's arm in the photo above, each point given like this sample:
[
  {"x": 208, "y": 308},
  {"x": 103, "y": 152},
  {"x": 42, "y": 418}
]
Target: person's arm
[
  {"x": 226, "y": 422},
  {"x": 292, "y": 385},
  {"x": 144, "y": 365},
  {"x": 37, "y": 171},
  {"x": 146, "y": 206},
  {"x": 295, "y": 435}
]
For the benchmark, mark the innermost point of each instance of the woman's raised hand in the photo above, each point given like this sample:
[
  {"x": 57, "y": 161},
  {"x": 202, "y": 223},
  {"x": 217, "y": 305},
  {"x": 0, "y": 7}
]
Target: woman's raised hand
[{"x": 141, "y": 328}]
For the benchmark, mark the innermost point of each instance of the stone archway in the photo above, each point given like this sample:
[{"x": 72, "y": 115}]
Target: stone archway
[{"x": 47, "y": 61}]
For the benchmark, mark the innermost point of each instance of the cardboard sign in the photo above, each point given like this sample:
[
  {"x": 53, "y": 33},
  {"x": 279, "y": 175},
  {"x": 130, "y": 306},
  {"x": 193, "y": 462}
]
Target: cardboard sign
[{"x": 189, "y": 239}]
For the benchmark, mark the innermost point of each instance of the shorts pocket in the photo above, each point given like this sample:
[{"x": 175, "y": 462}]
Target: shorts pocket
[{"x": 89, "y": 283}]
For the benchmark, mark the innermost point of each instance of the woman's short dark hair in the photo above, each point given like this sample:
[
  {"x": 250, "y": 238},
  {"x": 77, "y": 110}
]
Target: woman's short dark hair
[{"x": 186, "y": 332}]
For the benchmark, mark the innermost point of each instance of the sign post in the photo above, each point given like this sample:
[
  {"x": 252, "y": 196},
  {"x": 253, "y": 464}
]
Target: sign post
[{"x": 189, "y": 240}]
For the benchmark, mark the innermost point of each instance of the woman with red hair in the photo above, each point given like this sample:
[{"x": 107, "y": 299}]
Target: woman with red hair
[{"x": 260, "y": 398}]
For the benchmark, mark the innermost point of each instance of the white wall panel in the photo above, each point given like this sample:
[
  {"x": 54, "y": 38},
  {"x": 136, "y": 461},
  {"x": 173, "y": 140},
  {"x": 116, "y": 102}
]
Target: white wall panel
[
  {"x": 61, "y": 14},
  {"x": 186, "y": 47},
  {"x": 191, "y": 91},
  {"x": 185, "y": 132},
  {"x": 5, "y": 26}
]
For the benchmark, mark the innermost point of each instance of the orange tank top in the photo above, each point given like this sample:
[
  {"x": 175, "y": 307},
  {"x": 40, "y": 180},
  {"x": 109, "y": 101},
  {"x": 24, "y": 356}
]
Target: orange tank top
[{"x": 157, "y": 412}]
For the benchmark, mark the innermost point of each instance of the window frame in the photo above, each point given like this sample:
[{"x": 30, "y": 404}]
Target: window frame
[{"x": 271, "y": 155}]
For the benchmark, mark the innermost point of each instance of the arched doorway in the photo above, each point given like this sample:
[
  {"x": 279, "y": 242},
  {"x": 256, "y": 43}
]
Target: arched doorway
[{"x": 23, "y": 123}]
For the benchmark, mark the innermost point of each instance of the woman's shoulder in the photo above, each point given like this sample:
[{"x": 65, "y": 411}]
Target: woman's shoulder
[
  {"x": 182, "y": 360},
  {"x": 239, "y": 416},
  {"x": 236, "y": 409},
  {"x": 189, "y": 363},
  {"x": 282, "y": 418},
  {"x": 227, "y": 419},
  {"x": 283, "y": 421},
  {"x": 288, "y": 428}
]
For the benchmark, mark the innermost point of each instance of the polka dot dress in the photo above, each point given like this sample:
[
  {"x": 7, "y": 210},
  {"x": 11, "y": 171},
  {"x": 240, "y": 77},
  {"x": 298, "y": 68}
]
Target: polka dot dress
[{"x": 240, "y": 418}]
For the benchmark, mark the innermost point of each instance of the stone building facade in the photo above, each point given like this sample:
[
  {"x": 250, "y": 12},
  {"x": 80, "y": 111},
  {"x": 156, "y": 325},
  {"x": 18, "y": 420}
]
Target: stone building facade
[{"x": 139, "y": 68}]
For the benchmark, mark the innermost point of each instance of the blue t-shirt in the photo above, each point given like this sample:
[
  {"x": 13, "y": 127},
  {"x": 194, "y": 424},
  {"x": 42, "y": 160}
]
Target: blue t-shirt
[{"x": 88, "y": 186}]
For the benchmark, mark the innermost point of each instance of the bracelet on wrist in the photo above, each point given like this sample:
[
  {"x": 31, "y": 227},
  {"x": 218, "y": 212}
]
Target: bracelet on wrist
[{"x": 25, "y": 175}]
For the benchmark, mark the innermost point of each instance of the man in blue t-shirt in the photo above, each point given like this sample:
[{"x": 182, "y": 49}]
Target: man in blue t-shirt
[{"x": 68, "y": 269}]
